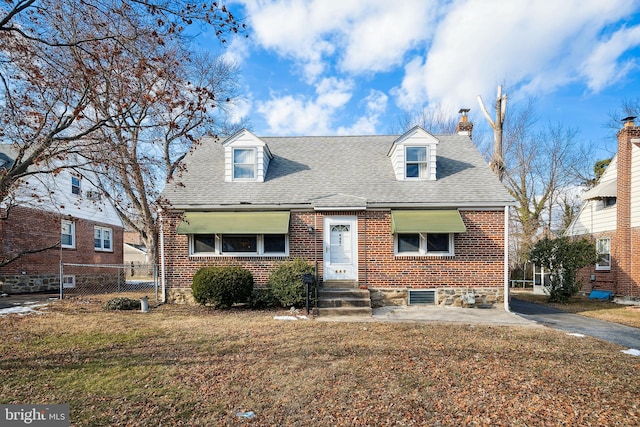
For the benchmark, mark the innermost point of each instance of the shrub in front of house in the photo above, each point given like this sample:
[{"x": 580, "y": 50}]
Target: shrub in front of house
[
  {"x": 263, "y": 298},
  {"x": 285, "y": 282},
  {"x": 122, "y": 303},
  {"x": 221, "y": 287}
]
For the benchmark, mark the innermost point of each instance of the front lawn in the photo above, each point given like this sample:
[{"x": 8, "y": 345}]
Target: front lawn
[{"x": 190, "y": 366}]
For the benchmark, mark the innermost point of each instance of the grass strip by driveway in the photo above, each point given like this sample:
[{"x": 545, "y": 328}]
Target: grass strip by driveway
[{"x": 191, "y": 366}]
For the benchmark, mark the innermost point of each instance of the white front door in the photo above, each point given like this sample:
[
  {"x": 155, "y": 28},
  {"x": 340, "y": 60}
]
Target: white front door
[{"x": 340, "y": 248}]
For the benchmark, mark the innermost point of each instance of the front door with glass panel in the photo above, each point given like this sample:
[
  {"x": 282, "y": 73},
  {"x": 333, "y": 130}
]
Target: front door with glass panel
[{"x": 340, "y": 248}]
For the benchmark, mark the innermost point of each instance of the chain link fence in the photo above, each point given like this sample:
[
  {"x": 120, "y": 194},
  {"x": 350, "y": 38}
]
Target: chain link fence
[{"x": 134, "y": 280}]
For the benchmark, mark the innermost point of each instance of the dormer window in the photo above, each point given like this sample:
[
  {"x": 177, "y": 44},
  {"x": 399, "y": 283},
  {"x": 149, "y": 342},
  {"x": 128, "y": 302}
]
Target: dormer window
[
  {"x": 244, "y": 164},
  {"x": 416, "y": 163},
  {"x": 413, "y": 156}
]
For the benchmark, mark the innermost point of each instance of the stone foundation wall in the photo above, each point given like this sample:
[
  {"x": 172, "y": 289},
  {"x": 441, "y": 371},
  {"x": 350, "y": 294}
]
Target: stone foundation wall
[
  {"x": 87, "y": 283},
  {"x": 443, "y": 297},
  {"x": 19, "y": 284},
  {"x": 180, "y": 296}
]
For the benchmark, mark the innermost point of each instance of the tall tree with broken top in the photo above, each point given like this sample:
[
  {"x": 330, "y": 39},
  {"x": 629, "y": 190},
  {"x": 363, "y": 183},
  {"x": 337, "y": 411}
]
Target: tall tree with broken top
[{"x": 497, "y": 162}]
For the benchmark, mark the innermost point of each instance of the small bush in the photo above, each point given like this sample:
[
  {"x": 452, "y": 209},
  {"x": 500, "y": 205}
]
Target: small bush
[
  {"x": 286, "y": 285},
  {"x": 122, "y": 303},
  {"x": 263, "y": 298},
  {"x": 222, "y": 287}
]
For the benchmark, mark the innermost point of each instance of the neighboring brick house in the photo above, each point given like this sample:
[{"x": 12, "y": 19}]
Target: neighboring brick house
[
  {"x": 411, "y": 217},
  {"x": 51, "y": 219},
  {"x": 611, "y": 216}
]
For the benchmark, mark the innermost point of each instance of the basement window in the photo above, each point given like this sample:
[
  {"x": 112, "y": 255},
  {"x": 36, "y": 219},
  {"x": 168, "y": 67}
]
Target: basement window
[{"x": 422, "y": 297}]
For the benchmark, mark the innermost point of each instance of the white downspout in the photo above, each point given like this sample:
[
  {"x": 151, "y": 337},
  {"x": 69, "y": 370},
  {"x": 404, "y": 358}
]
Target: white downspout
[
  {"x": 162, "y": 269},
  {"x": 506, "y": 259}
]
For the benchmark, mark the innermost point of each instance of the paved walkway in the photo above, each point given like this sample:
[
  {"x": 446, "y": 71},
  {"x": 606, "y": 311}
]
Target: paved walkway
[
  {"x": 424, "y": 313},
  {"x": 625, "y": 336}
]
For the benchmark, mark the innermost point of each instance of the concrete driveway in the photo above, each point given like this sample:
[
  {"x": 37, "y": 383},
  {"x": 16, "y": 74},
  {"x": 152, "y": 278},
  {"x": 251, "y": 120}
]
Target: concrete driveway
[{"x": 625, "y": 336}]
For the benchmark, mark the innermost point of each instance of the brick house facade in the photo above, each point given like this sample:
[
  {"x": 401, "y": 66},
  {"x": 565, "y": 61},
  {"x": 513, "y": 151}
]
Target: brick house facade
[
  {"x": 390, "y": 213},
  {"x": 611, "y": 216},
  {"x": 54, "y": 219}
]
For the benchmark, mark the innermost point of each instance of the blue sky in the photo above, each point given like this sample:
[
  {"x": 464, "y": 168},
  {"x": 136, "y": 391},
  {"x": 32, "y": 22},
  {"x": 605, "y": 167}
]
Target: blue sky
[{"x": 326, "y": 67}]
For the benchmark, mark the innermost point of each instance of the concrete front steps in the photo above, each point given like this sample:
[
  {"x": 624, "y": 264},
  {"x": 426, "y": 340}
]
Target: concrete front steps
[{"x": 343, "y": 298}]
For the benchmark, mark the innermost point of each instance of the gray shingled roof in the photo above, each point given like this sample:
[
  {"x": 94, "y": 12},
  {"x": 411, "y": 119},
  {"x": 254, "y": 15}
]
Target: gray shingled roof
[{"x": 338, "y": 171}]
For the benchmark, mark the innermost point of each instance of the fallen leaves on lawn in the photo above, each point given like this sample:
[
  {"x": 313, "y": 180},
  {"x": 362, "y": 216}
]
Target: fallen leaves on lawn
[{"x": 195, "y": 367}]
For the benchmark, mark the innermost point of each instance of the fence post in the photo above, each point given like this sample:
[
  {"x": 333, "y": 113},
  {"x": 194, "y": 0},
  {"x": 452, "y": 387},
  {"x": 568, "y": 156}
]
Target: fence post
[
  {"x": 61, "y": 284},
  {"x": 155, "y": 279}
]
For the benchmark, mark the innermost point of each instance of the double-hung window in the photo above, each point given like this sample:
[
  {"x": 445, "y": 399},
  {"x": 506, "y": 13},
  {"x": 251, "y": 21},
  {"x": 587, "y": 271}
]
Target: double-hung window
[
  {"x": 76, "y": 185},
  {"x": 430, "y": 244},
  {"x": 603, "y": 249},
  {"x": 244, "y": 164},
  {"x": 239, "y": 244},
  {"x": 416, "y": 164},
  {"x": 102, "y": 239},
  {"x": 68, "y": 234}
]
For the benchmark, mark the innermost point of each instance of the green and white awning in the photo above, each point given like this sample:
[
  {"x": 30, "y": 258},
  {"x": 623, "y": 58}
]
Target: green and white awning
[
  {"x": 234, "y": 223},
  {"x": 427, "y": 221}
]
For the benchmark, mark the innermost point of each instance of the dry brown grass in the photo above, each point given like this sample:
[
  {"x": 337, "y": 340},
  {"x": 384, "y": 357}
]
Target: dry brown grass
[
  {"x": 191, "y": 366},
  {"x": 582, "y": 305}
]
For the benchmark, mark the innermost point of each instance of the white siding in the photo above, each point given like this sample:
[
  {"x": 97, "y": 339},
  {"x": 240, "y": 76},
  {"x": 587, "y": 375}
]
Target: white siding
[
  {"x": 53, "y": 194},
  {"x": 594, "y": 218}
]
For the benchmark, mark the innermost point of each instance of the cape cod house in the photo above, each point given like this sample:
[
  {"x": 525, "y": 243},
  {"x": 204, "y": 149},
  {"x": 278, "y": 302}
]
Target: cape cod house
[
  {"x": 413, "y": 218},
  {"x": 610, "y": 215},
  {"x": 52, "y": 219}
]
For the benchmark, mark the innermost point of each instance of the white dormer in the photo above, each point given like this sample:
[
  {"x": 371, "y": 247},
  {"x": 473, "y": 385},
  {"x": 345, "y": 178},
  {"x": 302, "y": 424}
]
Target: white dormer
[
  {"x": 246, "y": 158},
  {"x": 413, "y": 155}
]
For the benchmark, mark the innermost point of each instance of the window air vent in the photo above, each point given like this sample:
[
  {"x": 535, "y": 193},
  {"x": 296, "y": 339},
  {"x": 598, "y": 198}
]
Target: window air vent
[{"x": 422, "y": 297}]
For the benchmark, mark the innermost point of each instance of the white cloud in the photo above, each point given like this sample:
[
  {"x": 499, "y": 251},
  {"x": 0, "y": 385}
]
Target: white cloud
[
  {"x": 360, "y": 36},
  {"x": 299, "y": 115},
  {"x": 533, "y": 45},
  {"x": 236, "y": 51},
  {"x": 375, "y": 106},
  {"x": 442, "y": 52},
  {"x": 604, "y": 64}
]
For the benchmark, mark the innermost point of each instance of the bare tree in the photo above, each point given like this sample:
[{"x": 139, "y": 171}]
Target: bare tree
[
  {"x": 435, "y": 119},
  {"x": 54, "y": 56},
  {"x": 541, "y": 174},
  {"x": 171, "y": 104}
]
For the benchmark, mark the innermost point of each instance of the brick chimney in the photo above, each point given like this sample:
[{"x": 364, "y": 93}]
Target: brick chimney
[
  {"x": 627, "y": 272},
  {"x": 464, "y": 127}
]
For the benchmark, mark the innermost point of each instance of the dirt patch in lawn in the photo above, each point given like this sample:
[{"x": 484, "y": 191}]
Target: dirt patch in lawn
[{"x": 181, "y": 365}]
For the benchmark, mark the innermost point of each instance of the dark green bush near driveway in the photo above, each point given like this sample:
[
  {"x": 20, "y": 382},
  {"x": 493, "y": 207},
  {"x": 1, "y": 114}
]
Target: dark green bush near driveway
[
  {"x": 221, "y": 287},
  {"x": 285, "y": 282}
]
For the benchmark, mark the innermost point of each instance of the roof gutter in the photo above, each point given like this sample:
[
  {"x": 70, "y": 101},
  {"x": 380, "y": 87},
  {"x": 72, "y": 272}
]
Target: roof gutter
[{"x": 370, "y": 205}]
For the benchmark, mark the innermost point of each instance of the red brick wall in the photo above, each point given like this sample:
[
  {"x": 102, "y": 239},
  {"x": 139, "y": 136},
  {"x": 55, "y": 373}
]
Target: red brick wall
[
  {"x": 478, "y": 260},
  {"x": 28, "y": 229},
  {"x": 604, "y": 279},
  {"x": 622, "y": 254}
]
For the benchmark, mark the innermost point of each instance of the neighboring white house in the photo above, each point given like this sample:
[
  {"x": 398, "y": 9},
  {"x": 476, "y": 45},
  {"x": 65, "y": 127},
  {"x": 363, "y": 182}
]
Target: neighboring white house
[
  {"x": 51, "y": 219},
  {"x": 610, "y": 215}
]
